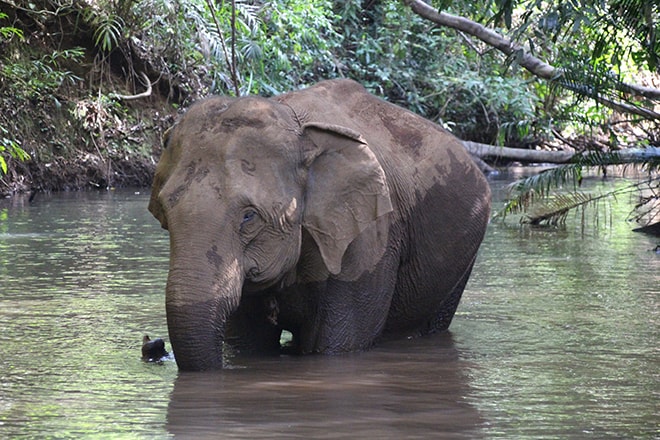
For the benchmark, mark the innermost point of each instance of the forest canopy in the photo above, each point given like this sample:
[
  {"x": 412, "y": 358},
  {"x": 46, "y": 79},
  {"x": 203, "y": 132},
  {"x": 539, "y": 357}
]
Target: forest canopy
[{"x": 529, "y": 74}]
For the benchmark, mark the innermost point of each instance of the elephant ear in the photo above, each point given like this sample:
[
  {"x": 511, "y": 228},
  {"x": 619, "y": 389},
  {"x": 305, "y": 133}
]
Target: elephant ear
[{"x": 346, "y": 189}]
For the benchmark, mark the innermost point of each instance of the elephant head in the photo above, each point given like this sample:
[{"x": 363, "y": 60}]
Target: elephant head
[{"x": 238, "y": 181}]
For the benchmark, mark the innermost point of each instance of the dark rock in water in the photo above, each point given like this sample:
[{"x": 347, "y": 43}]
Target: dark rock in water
[{"x": 153, "y": 351}]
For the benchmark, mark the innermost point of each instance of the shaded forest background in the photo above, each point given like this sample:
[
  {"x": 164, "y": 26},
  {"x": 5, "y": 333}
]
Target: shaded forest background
[{"x": 87, "y": 87}]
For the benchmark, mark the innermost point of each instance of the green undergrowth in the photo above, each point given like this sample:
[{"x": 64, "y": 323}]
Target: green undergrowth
[{"x": 61, "y": 126}]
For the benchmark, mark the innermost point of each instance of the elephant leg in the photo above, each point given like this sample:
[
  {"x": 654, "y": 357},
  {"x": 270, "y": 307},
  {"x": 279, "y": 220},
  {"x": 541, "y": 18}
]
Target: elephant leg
[
  {"x": 342, "y": 316},
  {"x": 440, "y": 322},
  {"x": 254, "y": 328},
  {"x": 343, "y": 313}
]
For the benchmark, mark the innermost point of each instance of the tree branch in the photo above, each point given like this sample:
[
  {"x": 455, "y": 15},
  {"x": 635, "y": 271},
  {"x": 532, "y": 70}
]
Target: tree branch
[
  {"x": 231, "y": 61},
  {"x": 146, "y": 81},
  {"x": 534, "y": 65},
  {"x": 488, "y": 36}
]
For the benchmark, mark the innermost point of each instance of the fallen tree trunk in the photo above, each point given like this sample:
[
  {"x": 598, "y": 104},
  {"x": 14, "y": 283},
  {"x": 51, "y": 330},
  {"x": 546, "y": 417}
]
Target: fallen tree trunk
[{"x": 492, "y": 153}]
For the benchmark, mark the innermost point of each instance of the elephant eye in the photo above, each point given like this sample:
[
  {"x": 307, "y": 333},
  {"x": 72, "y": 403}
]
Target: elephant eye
[
  {"x": 248, "y": 216},
  {"x": 250, "y": 227}
]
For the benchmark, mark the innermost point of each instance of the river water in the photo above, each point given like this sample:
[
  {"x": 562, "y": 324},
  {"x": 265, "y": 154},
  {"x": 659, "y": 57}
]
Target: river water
[{"x": 556, "y": 338}]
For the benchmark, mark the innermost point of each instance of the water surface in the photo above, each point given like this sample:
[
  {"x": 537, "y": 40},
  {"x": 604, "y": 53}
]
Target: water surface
[{"x": 556, "y": 337}]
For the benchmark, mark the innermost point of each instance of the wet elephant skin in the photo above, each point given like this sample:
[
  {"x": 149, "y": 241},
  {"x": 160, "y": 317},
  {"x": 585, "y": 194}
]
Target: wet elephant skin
[{"x": 326, "y": 212}]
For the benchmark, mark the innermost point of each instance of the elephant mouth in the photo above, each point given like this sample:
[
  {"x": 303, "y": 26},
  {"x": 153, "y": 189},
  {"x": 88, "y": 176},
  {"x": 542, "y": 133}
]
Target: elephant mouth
[
  {"x": 257, "y": 280},
  {"x": 256, "y": 286},
  {"x": 252, "y": 273}
]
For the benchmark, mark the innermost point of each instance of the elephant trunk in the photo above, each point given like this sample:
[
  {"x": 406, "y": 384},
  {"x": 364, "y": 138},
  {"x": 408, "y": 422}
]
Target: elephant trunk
[{"x": 198, "y": 304}]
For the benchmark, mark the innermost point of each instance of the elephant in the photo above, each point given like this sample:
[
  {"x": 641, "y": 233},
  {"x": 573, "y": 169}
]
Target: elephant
[{"x": 326, "y": 212}]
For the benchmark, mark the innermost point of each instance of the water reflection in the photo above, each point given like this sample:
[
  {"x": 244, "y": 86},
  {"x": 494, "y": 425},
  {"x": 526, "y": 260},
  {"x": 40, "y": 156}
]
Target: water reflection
[
  {"x": 406, "y": 389},
  {"x": 566, "y": 322},
  {"x": 80, "y": 282},
  {"x": 556, "y": 337}
]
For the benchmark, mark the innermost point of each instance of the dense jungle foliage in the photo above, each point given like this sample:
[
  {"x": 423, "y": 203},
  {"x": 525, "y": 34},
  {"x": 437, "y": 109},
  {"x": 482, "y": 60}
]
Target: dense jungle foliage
[{"x": 88, "y": 86}]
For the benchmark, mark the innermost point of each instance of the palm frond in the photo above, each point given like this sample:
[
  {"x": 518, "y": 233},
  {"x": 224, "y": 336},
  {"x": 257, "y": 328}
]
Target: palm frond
[
  {"x": 248, "y": 16},
  {"x": 588, "y": 79},
  {"x": 636, "y": 17},
  {"x": 647, "y": 158},
  {"x": 539, "y": 185},
  {"x": 555, "y": 209},
  {"x": 538, "y": 203},
  {"x": 552, "y": 209},
  {"x": 647, "y": 210}
]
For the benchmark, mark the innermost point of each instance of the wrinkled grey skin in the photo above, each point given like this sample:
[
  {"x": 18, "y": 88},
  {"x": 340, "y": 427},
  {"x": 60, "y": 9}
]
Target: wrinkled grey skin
[{"x": 326, "y": 212}]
